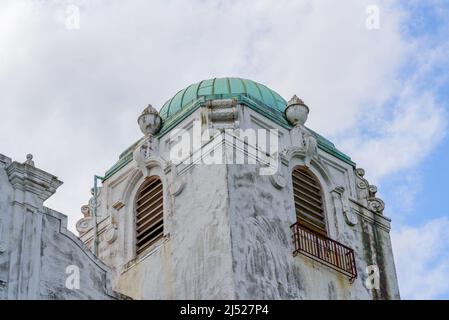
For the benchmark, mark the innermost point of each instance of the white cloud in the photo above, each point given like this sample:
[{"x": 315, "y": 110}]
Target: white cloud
[
  {"x": 401, "y": 132},
  {"x": 422, "y": 259},
  {"x": 72, "y": 97}
]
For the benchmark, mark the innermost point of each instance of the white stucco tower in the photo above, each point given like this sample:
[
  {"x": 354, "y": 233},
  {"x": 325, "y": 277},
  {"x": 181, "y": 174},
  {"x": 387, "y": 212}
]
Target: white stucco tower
[{"x": 260, "y": 207}]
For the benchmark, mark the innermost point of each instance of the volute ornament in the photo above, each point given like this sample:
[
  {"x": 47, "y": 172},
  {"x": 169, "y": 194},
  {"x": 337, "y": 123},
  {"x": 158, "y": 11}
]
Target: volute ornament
[{"x": 367, "y": 193}]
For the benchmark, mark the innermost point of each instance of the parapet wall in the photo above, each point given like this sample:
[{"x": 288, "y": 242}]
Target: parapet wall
[{"x": 39, "y": 257}]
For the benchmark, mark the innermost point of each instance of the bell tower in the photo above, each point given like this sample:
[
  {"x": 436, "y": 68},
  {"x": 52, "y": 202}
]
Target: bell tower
[{"x": 229, "y": 195}]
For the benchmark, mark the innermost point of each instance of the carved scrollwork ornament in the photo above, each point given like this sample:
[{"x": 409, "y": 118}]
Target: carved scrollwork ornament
[
  {"x": 375, "y": 203},
  {"x": 362, "y": 183},
  {"x": 140, "y": 154},
  {"x": 367, "y": 193},
  {"x": 360, "y": 172},
  {"x": 310, "y": 147},
  {"x": 84, "y": 224},
  {"x": 304, "y": 145},
  {"x": 92, "y": 200}
]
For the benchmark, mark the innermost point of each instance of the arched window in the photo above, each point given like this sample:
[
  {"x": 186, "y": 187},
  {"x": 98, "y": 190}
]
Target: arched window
[
  {"x": 308, "y": 200},
  {"x": 149, "y": 213}
]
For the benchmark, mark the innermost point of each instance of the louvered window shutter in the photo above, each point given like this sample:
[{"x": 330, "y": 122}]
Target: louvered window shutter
[
  {"x": 308, "y": 200},
  {"x": 149, "y": 214}
]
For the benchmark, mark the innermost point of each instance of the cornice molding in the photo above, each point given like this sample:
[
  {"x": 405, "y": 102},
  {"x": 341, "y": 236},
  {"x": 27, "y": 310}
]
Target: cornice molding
[{"x": 27, "y": 178}]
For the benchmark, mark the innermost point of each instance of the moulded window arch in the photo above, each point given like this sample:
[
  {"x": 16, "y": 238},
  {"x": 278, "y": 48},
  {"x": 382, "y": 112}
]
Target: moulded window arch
[
  {"x": 309, "y": 200},
  {"x": 149, "y": 213}
]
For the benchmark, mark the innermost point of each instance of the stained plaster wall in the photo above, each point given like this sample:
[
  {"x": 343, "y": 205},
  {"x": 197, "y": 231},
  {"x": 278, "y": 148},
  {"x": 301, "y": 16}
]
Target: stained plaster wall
[
  {"x": 36, "y": 247},
  {"x": 227, "y": 232}
]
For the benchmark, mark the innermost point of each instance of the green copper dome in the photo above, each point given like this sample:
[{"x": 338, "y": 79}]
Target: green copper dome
[
  {"x": 252, "y": 94},
  {"x": 222, "y": 88}
]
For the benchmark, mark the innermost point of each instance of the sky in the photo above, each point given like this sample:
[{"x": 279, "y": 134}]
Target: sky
[{"x": 75, "y": 75}]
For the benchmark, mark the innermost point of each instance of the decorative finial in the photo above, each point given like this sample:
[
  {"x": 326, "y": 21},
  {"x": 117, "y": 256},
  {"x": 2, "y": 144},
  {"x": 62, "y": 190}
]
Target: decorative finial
[
  {"x": 295, "y": 100},
  {"x": 149, "y": 121},
  {"x": 297, "y": 111},
  {"x": 149, "y": 110},
  {"x": 29, "y": 160}
]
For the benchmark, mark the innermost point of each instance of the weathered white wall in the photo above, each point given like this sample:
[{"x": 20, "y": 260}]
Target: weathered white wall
[
  {"x": 6, "y": 192},
  {"x": 261, "y": 215},
  {"x": 36, "y": 245},
  {"x": 264, "y": 267},
  {"x": 227, "y": 228},
  {"x": 193, "y": 261}
]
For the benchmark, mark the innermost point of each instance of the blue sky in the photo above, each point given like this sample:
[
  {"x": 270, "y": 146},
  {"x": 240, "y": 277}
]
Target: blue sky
[
  {"x": 426, "y": 20},
  {"x": 382, "y": 96},
  {"x": 429, "y": 21},
  {"x": 416, "y": 196}
]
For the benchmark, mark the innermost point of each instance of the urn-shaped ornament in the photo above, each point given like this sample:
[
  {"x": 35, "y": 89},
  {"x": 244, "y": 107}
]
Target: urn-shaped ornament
[
  {"x": 297, "y": 111},
  {"x": 149, "y": 121}
]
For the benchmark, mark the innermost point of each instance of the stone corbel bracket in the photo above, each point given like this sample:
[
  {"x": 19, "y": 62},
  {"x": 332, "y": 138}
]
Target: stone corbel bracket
[
  {"x": 146, "y": 155},
  {"x": 304, "y": 145},
  {"x": 140, "y": 154},
  {"x": 341, "y": 196}
]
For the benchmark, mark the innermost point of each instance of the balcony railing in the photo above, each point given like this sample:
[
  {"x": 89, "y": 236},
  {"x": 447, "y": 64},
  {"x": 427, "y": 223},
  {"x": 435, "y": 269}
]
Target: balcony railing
[{"x": 325, "y": 250}]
